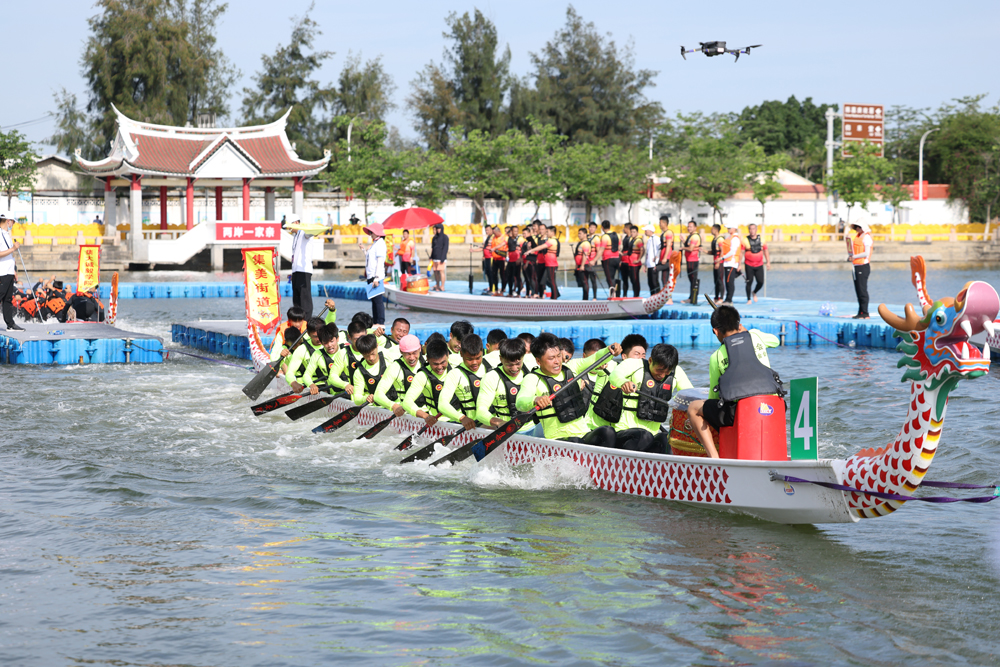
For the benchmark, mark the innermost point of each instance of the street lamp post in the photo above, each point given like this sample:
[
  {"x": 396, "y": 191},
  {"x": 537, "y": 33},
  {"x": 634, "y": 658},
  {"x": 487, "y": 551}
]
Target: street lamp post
[{"x": 920, "y": 167}]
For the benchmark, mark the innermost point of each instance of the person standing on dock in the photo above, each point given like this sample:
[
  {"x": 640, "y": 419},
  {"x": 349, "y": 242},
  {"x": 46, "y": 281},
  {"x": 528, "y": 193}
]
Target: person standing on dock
[
  {"x": 8, "y": 271},
  {"x": 498, "y": 252},
  {"x": 716, "y": 252},
  {"x": 303, "y": 250},
  {"x": 753, "y": 261},
  {"x": 609, "y": 255},
  {"x": 584, "y": 255},
  {"x": 732, "y": 246},
  {"x": 406, "y": 248},
  {"x": 514, "y": 243},
  {"x": 859, "y": 253},
  {"x": 652, "y": 254},
  {"x": 692, "y": 253},
  {"x": 375, "y": 268},
  {"x": 439, "y": 256}
]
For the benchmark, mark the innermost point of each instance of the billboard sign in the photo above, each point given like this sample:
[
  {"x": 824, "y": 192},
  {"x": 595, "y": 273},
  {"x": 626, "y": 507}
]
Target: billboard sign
[{"x": 863, "y": 122}]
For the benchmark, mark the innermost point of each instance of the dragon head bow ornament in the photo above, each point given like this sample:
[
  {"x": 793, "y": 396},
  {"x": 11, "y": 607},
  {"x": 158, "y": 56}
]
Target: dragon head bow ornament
[{"x": 937, "y": 354}]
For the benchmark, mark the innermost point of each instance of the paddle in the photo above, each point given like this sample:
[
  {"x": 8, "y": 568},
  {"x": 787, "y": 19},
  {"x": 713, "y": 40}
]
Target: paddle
[
  {"x": 710, "y": 302},
  {"x": 339, "y": 420},
  {"x": 256, "y": 386},
  {"x": 409, "y": 439},
  {"x": 426, "y": 452},
  {"x": 281, "y": 401},
  {"x": 377, "y": 428},
  {"x": 313, "y": 406},
  {"x": 481, "y": 448}
]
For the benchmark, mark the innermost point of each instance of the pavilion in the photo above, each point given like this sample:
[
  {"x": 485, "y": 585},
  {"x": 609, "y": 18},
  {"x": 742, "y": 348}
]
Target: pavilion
[{"x": 146, "y": 155}]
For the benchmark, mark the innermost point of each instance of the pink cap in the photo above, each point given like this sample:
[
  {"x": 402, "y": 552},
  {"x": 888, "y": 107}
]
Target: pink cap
[
  {"x": 410, "y": 343},
  {"x": 376, "y": 229}
]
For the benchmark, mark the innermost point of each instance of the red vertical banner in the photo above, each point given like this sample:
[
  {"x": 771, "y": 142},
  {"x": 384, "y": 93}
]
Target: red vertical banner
[
  {"x": 260, "y": 278},
  {"x": 88, "y": 269}
]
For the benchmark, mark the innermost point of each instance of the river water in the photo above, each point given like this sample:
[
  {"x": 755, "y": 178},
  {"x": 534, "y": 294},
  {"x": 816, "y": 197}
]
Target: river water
[{"x": 147, "y": 518}]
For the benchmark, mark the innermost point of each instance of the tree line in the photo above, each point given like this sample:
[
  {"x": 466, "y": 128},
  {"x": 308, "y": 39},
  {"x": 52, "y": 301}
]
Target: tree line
[{"x": 578, "y": 126}]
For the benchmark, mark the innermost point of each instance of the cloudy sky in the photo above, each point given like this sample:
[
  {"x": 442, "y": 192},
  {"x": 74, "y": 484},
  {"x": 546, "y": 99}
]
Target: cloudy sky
[{"x": 915, "y": 53}]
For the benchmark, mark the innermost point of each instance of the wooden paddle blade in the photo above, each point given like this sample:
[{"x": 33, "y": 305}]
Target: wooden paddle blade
[
  {"x": 499, "y": 436},
  {"x": 339, "y": 420},
  {"x": 275, "y": 403},
  {"x": 301, "y": 411},
  {"x": 259, "y": 383},
  {"x": 377, "y": 428}
]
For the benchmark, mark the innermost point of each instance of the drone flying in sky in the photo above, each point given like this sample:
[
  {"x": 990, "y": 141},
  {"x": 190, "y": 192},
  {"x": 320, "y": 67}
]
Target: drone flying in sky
[{"x": 717, "y": 49}]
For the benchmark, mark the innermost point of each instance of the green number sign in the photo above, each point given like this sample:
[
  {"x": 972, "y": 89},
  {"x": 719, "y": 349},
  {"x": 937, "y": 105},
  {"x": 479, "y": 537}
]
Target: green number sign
[{"x": 805, "y": 418}]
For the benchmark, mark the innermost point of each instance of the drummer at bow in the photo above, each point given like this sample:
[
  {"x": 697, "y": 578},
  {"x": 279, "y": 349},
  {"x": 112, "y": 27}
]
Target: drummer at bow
[{"x": 738, "y": 369}]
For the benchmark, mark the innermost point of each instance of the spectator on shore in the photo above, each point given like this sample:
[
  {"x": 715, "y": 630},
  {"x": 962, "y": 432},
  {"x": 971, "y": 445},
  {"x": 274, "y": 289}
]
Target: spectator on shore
[
  {"x": 375, "y": 268},
  {"x": 406, "y": 247},
  {"x": 439, "y": 256},
  {"x": 753, "y": 261}
]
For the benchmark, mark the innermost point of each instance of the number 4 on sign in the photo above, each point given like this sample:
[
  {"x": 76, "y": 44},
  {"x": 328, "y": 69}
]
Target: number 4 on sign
[{"x": 805, "y": 425}]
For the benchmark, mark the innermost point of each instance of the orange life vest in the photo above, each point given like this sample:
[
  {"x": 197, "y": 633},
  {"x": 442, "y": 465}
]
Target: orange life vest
[
  {"x": 406, "y": 250},
  {"x": 859, "y": 249}
]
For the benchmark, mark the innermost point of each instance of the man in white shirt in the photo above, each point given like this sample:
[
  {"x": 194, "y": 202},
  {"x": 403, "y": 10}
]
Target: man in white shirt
[
  {"x": 303, "y": 248},
  {"x": 650, "y": 258},
  {"x": 8, "y": 271},
  {"x": 375, "y": 268}
]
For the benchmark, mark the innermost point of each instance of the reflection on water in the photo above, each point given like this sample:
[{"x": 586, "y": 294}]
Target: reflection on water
[{"x": 149, "y": 519}]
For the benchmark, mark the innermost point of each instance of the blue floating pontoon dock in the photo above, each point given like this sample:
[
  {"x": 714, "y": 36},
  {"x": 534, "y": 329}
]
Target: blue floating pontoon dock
[
  {"x": 678, "y": 325},
  {"x": 330, "y": 290},
  {"x": 78, "y": 343}
]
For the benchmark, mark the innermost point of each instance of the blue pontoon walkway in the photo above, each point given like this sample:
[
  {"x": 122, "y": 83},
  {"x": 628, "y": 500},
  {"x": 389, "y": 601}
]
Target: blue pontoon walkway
[{"x": 78, "y": 343}]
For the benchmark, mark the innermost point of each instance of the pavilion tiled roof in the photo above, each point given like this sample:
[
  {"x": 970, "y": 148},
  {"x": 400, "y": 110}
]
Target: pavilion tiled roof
[{"x": 160, "y": 150}]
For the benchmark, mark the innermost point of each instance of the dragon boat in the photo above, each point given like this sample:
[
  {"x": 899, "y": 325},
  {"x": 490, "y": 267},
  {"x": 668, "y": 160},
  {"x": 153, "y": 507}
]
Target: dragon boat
[
  {"x": 534, "y": 309},
  {"x": 763, "y": 483}
]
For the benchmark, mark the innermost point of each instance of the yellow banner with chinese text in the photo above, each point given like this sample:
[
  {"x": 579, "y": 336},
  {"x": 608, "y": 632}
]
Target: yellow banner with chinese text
[
  {"x": 260, "y": 277},
  {"x": 88, "y": 270}
]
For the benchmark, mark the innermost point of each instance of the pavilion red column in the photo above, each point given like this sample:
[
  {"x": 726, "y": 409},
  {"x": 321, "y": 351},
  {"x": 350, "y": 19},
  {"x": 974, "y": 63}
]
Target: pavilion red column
[
  {"x": 218, "y": 202},
  {"x": 189, "y": 201},
  {"x": 246, "y": 200},
  {"x": 163, "y": 207}
]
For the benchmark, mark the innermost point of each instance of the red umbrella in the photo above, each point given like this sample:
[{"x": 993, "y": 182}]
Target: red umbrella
[{"x": 412, "y": 218}]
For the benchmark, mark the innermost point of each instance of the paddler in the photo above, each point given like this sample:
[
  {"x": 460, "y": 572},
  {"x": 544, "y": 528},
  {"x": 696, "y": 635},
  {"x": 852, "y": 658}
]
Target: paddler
[
  {"x": 692, "y": 248},
  {"x": 625, "y": 399},
  {"x": 567, "y": 347},
  {"x": 457, "y": 401},
  {"x": 732, "y": 249},
  {"x": 548, "y": 261},
  {"x": 390, "y": 342},
  {"x": 459, "y": 330},
  {"x": 296, "y": 365},
  {"x": 529, "y": 361},
  {"x": 514, "y": 242},
  {"x": 493, "y": 339},
  {"x": 399, "y": 375},
  {"x": 291, "y": 336},
  {"x": 421, "y": 398},
  {"x": 319, "y": 370},
  {"x": 367, "y": 374},
  {"x": 608, "y": 247},
  {"x": 566, "y": 418},
  {"x": 496, "y": 403},
  {"x": 295, "y": 319},
  {"x": 498, "y": 269},
  {"x": 738, "y": 369},
  {"x": 584, "y": 255},
  {"x": 715, "y": 250},
  {"x": 347, "y": 359},
  {"x": 597, "y": 377}
]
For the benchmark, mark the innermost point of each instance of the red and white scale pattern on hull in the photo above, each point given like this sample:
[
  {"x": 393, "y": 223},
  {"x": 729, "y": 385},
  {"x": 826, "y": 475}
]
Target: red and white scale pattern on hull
[
  {"x": 635, "y": 476},
  {"x": 901, "y": 466}
]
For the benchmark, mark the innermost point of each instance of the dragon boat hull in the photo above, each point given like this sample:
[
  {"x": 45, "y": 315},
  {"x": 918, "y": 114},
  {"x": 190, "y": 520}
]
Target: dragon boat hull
[
  {"x": 525, "y": 309},
  {"x": 729, "y": 485}
]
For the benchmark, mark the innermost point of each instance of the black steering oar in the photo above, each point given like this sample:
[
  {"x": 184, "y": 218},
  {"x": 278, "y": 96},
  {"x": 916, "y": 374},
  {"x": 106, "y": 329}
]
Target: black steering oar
[
  {"x": 313, "y": 406},
  {"x": 259, "y": 383},
  {"x": 480, "y": 448}
]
